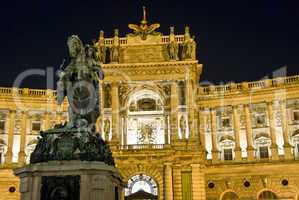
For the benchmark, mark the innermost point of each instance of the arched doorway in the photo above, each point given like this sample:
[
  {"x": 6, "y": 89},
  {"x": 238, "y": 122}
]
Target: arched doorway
[
  {"x": 141, "y": 187},
  {"x": 230, "y": 196},
  {"x": 267, "y": 195}
]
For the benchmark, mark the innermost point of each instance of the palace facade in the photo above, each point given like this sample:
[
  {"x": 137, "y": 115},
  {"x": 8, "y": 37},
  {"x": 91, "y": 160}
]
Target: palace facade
[{"x": 171, "y": 137}]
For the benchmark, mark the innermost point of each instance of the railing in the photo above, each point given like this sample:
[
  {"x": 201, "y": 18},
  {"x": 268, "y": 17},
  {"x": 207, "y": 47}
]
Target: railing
[
  {"x": 143, "y": 146},
  {"x": 26, "y": 92},
  {"x": 255, "y": 85},
  {"x": 164, "y": 40},
  {"x": 5, "y": 90}
]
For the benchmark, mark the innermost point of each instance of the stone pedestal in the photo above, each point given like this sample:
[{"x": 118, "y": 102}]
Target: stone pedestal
[{"x": 69, "y": 180}]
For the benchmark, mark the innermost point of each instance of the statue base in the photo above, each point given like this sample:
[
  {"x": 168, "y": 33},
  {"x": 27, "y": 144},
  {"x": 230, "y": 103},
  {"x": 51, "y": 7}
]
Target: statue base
[{"x": 70, "y": 180}]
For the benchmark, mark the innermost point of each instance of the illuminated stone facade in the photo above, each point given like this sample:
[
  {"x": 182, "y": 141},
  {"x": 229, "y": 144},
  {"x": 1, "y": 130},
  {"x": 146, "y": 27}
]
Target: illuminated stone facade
[{"x": 169, "y": 135}]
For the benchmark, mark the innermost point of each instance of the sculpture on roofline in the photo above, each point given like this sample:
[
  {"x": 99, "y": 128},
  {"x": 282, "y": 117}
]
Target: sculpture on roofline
[
  {"x": 102, "y": 48},
  {"x": 143, "y": 30},
  {"x": 173, "y": 48},
  {"x": 77, "y": 139},
  {"x": 188, "y": 45}
]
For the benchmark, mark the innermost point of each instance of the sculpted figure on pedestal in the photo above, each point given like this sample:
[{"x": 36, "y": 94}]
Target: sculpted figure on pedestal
[
  {"x": 188, "y": 45},
  {"x": 77, "y": 139},
  {"x": 173, "y": 48}
]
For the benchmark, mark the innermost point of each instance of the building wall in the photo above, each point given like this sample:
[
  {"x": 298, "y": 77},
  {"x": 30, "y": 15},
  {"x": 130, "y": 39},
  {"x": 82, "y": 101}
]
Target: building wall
[{"x": 251, "y": 124}]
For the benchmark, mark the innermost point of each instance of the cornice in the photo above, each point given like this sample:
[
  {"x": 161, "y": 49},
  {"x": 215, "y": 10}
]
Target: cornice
[{"x": 149, "y": 64}]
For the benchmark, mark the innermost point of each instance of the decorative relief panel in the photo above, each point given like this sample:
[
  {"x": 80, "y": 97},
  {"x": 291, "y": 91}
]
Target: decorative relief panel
[{"x": 143, "y": 54}]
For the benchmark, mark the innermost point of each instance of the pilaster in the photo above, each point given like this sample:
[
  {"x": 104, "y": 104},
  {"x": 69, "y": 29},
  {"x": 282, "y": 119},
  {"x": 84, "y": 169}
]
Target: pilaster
[
  {"x": 215, "y": 151},
  {"x": 236, "y": 117},
  {"x": 202, "y": 132},
  {"x": 174, "y": 111},
  {"x": 177, "y": 182},
  {"x": 8, "y": 155},
  {"x": 249, "y": 139},
  {"x": 274, "y": 148},
  {"x": 285, "y": 129},
  {"x": 168, "y": 181},
  {"x": 198, "y": 183},
  {"x": 24, "y": 116}
]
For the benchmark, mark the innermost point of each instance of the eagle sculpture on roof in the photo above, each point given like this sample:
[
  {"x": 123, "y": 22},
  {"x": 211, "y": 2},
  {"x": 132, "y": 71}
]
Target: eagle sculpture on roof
[{"x": 144, "y": 29}]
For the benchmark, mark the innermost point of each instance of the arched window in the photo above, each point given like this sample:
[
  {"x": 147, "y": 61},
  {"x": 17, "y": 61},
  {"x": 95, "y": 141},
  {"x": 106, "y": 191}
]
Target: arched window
[
  {"x": 230, "y": 196},
  {"x": 267, "y": 195},
  {"x": 141, "y": 184},
  {"x": 145, "y": 122}
]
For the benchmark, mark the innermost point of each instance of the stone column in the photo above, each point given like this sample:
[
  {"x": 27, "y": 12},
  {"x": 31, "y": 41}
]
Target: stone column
[
  {"x": 250, "y": 149},
  {"x": 285, "y": 129},
  {"x": 198, "y": 183},
  {"x": 11, "y": 130},
  {"x": 191, "y": 107},
  {"x": 236, "y": 117},
  {"x": 274, "y": 149},
  {"x": 115, "y": 112},
  {"x": 177, "y": 182},
  {"x": 23, "y": 138},
  {"x": 166, "y": 128},
  {"x": 174, "y": 111},
  {"x": 215, "y": 151},
  {"x": 125, "y": 130},
  {"x": 168, "y": 181},
  {"x": 47, "y": 121},
  {"x": 202, "y": 132}
]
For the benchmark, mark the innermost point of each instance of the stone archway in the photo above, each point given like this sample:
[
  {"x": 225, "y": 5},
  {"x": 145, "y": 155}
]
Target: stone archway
[
  {"x": 141, "y": 186},
  {"x": 149, "y": 170},
  {"x": 267, "y": 195},
  {"x": 229, "y": 195}
]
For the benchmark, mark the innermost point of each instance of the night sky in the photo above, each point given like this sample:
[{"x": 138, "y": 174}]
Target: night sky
[{"x": 238, "y": 40}]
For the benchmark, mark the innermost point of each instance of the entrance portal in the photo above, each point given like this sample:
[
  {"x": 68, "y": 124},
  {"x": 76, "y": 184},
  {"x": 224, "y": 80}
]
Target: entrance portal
[{"x": 141, "y": 187}]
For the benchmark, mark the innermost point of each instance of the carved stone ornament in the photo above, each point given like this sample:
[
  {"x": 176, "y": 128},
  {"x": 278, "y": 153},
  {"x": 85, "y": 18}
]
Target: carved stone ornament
[{"x": 143, "y": 30}]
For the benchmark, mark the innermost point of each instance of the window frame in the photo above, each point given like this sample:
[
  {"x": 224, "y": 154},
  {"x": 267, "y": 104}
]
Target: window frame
[
  {"x": 230, "y": 154},
  {"x": 262, "y": 153}
]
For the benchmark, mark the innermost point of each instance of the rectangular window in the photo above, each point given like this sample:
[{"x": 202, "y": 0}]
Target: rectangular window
[
  {"x": 264, "y": 152},
  {"x": 228, "y": 154},
  {"x": 0, "y": 158},
  {"x": 298, "y": 148},
  {"x": 225, "y": 122},
  {"x": 296, "y": 115},
  {"x": 36, "y": 126},
  {"x": 260, "y": 120}
]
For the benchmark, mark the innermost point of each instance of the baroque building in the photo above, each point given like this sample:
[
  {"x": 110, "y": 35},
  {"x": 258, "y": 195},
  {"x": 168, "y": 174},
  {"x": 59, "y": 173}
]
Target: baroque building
[{"x": 171, "y": 137}]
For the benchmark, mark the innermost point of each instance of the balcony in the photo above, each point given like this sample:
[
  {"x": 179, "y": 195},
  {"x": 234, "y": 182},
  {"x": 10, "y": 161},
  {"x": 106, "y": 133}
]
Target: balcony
[{"x": 144, "y": 147}]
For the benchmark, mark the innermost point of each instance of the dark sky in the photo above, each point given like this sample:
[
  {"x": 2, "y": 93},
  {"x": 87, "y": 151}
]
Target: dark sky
[{"x": 238, "y": 40}]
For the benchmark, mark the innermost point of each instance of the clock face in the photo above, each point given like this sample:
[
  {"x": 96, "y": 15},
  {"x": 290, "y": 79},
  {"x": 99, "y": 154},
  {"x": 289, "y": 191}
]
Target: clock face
[{"x": 141, "y": 182}]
